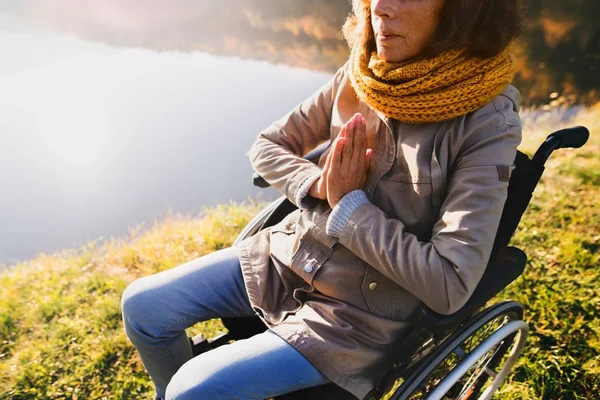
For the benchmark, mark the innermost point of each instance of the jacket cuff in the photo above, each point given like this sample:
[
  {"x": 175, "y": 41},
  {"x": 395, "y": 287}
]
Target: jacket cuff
[
  {"x": 343, "y": 210},
  {"x": 302, "y": 200}
]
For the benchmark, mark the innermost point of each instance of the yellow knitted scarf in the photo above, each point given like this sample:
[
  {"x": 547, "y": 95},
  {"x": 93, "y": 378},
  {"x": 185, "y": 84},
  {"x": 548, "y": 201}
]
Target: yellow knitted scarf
[{"x": 429, "y": 90}]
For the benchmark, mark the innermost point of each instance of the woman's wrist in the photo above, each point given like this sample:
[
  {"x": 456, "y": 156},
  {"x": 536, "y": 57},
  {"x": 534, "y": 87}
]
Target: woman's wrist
[
  {"x": 343, "y": 210},
  {"x": 306, "y": 189}
]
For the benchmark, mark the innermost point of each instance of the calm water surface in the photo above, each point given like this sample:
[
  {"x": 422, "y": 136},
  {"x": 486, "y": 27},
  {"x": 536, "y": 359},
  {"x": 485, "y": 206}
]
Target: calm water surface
[{"x": 95, "y": 140}]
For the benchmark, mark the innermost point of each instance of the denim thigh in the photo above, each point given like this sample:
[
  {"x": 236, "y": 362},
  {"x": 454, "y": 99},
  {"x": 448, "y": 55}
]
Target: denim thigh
[
  {"x": 208, "y": 287},
  {"x": 260, "y": 367}
]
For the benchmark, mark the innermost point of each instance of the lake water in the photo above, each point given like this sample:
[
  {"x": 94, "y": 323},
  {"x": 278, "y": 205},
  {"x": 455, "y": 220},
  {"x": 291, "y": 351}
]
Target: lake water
[{"x": 95, "y": 140}]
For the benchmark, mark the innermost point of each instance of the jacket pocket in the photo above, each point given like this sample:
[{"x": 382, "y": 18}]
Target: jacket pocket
[
  {"x": 409, "y": 201},
  {"x": 287, "y": 224},
  {"x": 377, "y": 293},
  {"x": 385, "y": 298},
  {"x": 284, "y": 239}
]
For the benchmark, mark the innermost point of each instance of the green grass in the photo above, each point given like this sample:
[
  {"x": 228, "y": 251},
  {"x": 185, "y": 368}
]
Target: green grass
[
  {"x": 561, "y": 286},
  {"x": 61, "y": 335}
]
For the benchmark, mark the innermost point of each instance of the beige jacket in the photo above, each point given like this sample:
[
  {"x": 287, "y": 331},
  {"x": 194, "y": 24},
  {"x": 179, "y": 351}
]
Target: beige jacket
[{"x": 436, "y": 194}]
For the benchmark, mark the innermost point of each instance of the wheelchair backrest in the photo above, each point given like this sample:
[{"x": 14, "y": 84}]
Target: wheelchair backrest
[{"x": 523, "y": 181}]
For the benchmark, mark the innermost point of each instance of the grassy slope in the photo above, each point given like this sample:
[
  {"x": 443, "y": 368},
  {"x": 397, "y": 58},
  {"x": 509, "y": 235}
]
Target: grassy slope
[
  {"x": 60, "y": 325},
  {"x": 561, "y": 287}
]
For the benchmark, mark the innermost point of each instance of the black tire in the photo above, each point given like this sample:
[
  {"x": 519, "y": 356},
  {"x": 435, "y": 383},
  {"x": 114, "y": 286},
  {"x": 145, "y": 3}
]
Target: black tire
[{"x": 433, "y": 368}]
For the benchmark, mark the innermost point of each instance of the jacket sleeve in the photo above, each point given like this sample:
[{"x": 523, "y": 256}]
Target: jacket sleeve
[
  {"x": 277, "y": 153},
  {"x": 443, "y": 272}
]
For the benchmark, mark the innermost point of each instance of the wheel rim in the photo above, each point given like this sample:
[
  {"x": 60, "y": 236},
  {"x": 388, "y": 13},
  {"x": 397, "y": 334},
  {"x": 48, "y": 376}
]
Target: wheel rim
[
  {"x": 445, "y": 358},
  {"x": 513, "y": 327},
  {"x": 482, "y": 373},
  {"x": 461, "y": 389}
]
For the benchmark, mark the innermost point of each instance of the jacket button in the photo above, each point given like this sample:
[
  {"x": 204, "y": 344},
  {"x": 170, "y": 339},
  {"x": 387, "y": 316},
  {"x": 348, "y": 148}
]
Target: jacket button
[
  {"x": 372, "y": 285},
  {"x": 308, "y": 268}
]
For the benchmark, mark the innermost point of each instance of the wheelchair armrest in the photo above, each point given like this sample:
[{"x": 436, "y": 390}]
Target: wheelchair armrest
[{"x": 504, "y": 267}]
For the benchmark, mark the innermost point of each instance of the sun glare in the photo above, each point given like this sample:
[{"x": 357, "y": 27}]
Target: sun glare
[
  {"x": 61, "y": 107},
  {"x": 76, "y": 135}
]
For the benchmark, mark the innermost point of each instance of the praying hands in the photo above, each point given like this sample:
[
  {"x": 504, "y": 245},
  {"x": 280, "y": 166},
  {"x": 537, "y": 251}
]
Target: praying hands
[{"x": 347, "y": 163}]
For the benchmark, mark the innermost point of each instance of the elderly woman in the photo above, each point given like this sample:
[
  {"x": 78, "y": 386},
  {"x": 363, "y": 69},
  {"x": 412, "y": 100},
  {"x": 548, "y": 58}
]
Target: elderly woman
[{"x": 401, "y": 210}]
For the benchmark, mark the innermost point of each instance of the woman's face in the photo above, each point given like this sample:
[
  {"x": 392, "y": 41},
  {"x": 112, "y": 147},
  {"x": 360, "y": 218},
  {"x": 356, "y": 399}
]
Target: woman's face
[{"x": 403, "y": 28}]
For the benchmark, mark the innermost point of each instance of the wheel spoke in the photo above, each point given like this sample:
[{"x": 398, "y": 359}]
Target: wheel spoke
[
  {"x": 485, "y": 347},
  {"x": 490, "y": 372},
  {"x": 478, "y": 370},
  {"x": 438, "y": 362},
  {"x": 460, "y": 353}
]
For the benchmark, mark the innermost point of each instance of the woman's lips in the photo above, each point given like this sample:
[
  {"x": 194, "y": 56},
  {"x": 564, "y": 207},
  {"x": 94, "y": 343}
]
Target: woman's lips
[{"x": 385, "y": 37}]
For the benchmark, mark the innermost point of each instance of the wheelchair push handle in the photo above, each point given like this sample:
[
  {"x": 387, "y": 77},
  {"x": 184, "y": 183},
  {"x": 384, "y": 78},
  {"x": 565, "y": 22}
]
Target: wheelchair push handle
[
  {"x": 258, "y": 181},
  {"x": 572, "y": 137},
  {"x": 565, "y": 138}
]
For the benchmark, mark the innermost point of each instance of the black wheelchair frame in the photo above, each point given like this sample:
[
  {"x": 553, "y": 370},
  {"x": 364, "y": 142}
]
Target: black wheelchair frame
[{"x": 445, "y": 356}]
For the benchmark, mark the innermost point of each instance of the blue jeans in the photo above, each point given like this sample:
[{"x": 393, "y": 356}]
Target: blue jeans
[{"x": 158, "y": 308}]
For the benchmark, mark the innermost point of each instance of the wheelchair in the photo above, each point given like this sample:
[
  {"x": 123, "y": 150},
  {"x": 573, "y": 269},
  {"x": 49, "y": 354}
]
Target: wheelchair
[{"x": 466, "y": 355}]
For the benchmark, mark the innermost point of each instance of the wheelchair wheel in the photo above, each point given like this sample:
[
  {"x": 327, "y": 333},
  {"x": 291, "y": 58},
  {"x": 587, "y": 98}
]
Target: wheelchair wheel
[{"x": 466, "y": 363}]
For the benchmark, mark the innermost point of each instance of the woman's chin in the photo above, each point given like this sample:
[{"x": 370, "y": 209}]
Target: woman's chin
[{"x": 391, "y": 54}]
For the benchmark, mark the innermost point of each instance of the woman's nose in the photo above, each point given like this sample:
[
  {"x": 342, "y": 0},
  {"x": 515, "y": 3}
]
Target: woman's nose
[{"x": 383, "y": 8}]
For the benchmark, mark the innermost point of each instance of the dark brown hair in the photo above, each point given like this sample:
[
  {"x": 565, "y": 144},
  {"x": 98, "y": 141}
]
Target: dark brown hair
[{"x": 482, "y": 28}]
